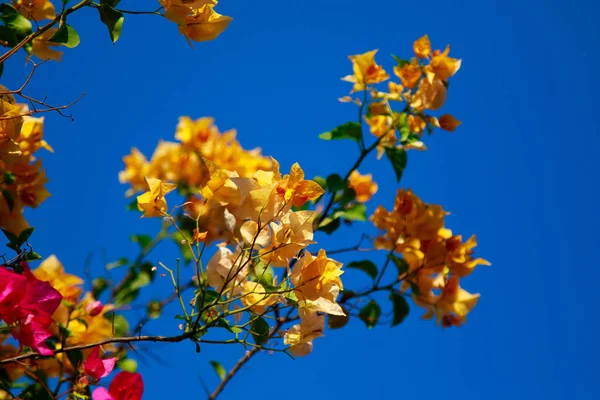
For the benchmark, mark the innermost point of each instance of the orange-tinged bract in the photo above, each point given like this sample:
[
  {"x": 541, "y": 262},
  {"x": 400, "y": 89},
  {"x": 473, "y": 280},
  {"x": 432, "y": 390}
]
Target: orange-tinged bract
[
  {"x": 435, "y": 258},
  {"x": 153, "y": 202},
  {"x": 422, "y": 47},
  {"x": 366, "y": 71},
  {"x": 363, "y": 185},
  {"x": 36, "y": 10}
]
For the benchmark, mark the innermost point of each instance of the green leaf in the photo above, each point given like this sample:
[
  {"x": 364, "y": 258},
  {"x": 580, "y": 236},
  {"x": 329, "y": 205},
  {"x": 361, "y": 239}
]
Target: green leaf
[
  {"x": 112, "y": 3},
  {"x": 13, "y": 19},
  {"x": 329, "y": 225},
  {"x": 11, "y": 236},
  {"x": 338, "y": 321},
  {"x": 263, "y": 274},
  {"x": 8, "y": 177},
  {"x": 401, "y": 63},
  {"x": 218, "y": 368},
  {"x": 400, "y": 264},
  {"x": 142, "y": 240},
  {"x": 415, "y": 288},
  {"x": 25, "y": 234},
  {"x": 127, "y": 364},
  {"x": 9, "y": 37},
  {"x": 321, "y": 181},
  {"x": 366, "y": 266},
  {"x": 398, "y": 159},
  {"x": 65, "y": 35},
  {"x": 349, "y": 130},
  {"x": 10, "y": 201},
  {"x": 335, "y": 183},
  {"x": 113, "y": 20},
  {"x": 121, "y": 326},
  {"x": 346, "y": 197},
  {"x": 260, "y": 331},
  {"x": 370, "y": 314},
  {"x": 356, "y": 212},
  {"x": 99, "y": 285},
  {"x": 401, "y": 308},
  {"x": 118, "y": 263},
  {"x": 32, "y": 256},
  {"x": 75, "y": 357},
  {"x": 132, "y": 206}
]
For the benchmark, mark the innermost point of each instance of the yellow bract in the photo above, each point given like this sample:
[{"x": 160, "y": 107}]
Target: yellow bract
[
  {"x": 422, "y": 47},
  {"x": 153, "y": 202},
  {"x": 366, "y": 71},
  {"x": 363, "y": 185},
  {"x": 36, "y": 10},
  {"x": 52, "y": 271}
]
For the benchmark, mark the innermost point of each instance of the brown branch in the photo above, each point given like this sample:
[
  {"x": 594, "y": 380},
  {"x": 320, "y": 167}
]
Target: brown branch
[
  {"x": 249, "y": 354},
  {"x": 129, "y": 339}
]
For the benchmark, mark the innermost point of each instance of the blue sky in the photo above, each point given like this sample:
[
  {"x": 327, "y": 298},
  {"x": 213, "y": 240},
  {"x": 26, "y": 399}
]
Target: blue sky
[{"x": 519, "y": 173}]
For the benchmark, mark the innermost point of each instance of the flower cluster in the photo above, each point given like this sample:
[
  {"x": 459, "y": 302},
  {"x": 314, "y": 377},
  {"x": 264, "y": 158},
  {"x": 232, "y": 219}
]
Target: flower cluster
[
  {"x": 27, "y": 305},
  {"x": 422, "y": 87},
  {"x": 197, "y": 19},
  {"x": 22, "y": 176},
  {"x": 435, "y": 258}
]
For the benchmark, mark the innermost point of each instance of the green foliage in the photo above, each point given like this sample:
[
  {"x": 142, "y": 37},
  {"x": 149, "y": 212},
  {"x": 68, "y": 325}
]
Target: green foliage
[
  {"x": 368, "y": 267},
  {"x": 10, "y": 201},
  {"x": 112, "y": 18},
  {"x": 127, "y": 364},
  {"x": 142, "y": 240},
  {"x": 349, "y": 130},
  {"x": 75, "y": 357},
  {"x": 14, "y": 21},
  {"x": 218, "y": 368},
  {"x": 335, "y": 182},
  {"x": 260, "y": 331},
  {"x": 65, "y": 35},
  {"x": 398, "y": 160},
  {"x": 400, "y": 62},
  {"x": 400, "y": 264},
  {"x": 370, "y": 314},
  {"x": 401, "y": 307}
]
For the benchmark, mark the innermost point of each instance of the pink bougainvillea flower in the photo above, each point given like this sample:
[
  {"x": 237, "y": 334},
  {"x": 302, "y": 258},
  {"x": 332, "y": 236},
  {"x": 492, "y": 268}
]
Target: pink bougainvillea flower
[
  {"x": 97, "y": 367},
  {"x": 94, "y": 308},
  {"x": 28, "y": 304},
  {"x": 125, "y": 386}
]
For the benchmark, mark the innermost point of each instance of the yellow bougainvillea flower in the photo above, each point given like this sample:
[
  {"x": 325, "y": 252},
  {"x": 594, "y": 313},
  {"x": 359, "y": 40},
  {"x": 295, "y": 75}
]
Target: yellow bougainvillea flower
[
  {"x": 153, "y": 202},
  {"x": 448, "y": 122},
  {"x": 136, "y": 168},
  {"x": 300, "y": 337},
  {"x": 10, "y": 126},
  {"x": 366, "y": 71},
  {"x": 30, "y": 179},
  {"x": 430, "y": 95},
  {"x": 363, "y": 185},
  {"x": 41, "y": 47},
  {"x": 455, "y": 300},
  {"x": 422, "y": 47},
  {"x": 226, "y": 268},
  {"x": 256, "y": 297},
  {"x": 31, "y": 138},
  {"x": 36, "y": 9},
  {"x": 317, "y": 283},
  {"x": 443, "y": 66},
  {"x": 177, "y": 10},
  {"x": 409, "y": 74},
  {"x": 416, "y": 124},
  {"x": 293, "y": 233},
  {"x": 296, "y": 190},
  {"x": 204, "y": 24},
  {"x": 52, "y": 271},
  {"x": 87, "y": 328},
  {"x": 459, "y": 258}
]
